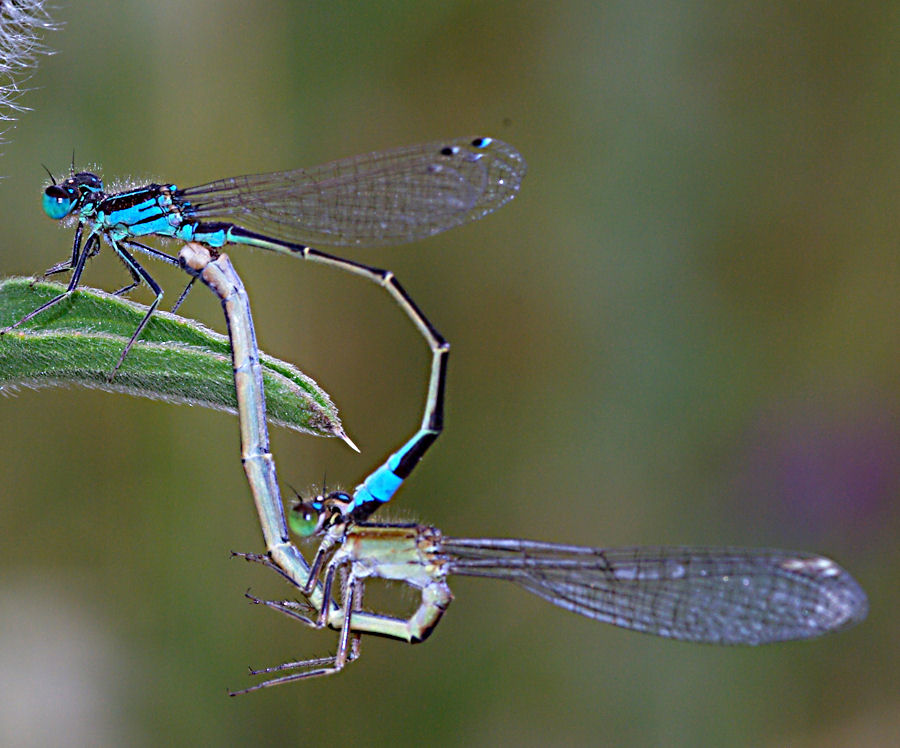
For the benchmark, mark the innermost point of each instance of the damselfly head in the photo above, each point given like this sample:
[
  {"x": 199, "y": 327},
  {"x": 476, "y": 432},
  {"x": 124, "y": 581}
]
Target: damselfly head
[
  {"x": 315, "y": 516},
  {"x": 65, "y": 197}
]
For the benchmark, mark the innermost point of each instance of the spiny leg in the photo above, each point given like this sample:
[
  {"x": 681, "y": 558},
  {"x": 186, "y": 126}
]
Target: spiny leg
[
  {"x": 137, "y": 270},
  {"x": 319, "y": 666},
  {"x": 290, "y": 608},
  {"x": 264, "y": 560},
  {"x": 86, "y": 252},
  {"x": 153, "y": 252},
  {"x": 136, "y": 277},
  {"x": 327, "y": 586},
  {"x": 165, "y": 257},
  {"x": 325, "y": 550},
  {"x": 65, "y": 265},
  {"x": 184, "y": 294},
  {"x": 135, "y": 282}
]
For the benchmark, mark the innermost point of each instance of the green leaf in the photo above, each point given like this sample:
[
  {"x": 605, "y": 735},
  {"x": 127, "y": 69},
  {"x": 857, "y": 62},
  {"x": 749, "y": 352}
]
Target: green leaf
[{"x": 178, "y": 360}]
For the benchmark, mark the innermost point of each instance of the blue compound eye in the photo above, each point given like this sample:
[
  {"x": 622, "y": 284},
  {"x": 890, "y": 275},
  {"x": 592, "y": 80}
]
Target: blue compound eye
[{"x": 58, "y": 202}]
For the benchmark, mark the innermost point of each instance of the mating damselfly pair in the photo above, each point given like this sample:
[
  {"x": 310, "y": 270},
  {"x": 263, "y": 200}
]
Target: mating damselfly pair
[
  {"x": 711, "y": 595},
  {"x": 716, "y": 595}
]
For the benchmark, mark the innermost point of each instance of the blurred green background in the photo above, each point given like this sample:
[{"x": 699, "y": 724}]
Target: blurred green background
[{"x": 685, "y": 330}]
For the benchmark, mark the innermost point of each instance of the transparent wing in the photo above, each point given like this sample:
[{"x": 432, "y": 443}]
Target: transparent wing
[
  {"x": 382, "y": 198},
  {"x": 714, "y": 595}
]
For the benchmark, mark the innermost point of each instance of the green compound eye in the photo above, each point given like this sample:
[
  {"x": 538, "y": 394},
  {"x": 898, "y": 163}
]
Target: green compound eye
[{"x": 303, "y": 519}]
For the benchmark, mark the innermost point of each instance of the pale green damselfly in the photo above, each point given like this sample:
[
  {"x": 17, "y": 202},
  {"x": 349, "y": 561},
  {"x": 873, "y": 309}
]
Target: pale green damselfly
[{"x": 709, "y": 595}]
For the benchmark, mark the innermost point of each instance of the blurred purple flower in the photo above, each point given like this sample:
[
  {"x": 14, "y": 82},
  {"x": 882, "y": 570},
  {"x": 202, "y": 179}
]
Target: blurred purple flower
[{"x": 823, "y": 470}]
